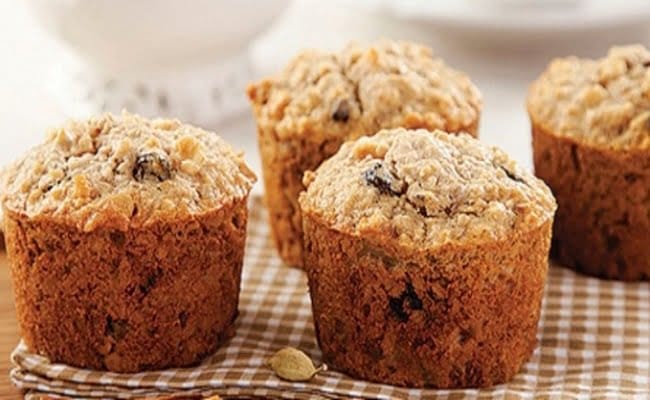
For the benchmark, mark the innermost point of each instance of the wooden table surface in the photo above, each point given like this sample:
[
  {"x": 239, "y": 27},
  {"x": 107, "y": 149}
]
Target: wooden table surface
[{"x": 8, "y": 330}]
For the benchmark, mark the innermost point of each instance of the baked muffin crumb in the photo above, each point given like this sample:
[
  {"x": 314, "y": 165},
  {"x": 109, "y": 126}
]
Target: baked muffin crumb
[
  {"x": 128, "y": 171},
  {"x": 591, "y": 144},
  {"x": 320, "y": 100},
  {"x": 424, "y": 252},
  {"x": 604, "y": 103},
  {"x": 443, "y": 185},
  {"x": 126, "y": 238}
]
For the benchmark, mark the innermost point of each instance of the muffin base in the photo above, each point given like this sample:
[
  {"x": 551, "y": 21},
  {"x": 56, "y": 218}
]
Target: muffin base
[
  {"x": 283, "y": 163},
  {"x": 449, "y": 318},
  {"x": 161, "y": 296},
  {"x": 602, "y": 225}
]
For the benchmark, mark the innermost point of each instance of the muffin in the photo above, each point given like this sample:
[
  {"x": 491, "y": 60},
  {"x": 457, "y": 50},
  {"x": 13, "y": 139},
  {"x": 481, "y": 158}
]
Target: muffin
[
  {"x": 2, "y": 190},
  {"x": 125, "y": 238},
  {"x": 427, "y": 255},
  {"x": 321, "y": 99},
  {"x": 591, "y": 144}
]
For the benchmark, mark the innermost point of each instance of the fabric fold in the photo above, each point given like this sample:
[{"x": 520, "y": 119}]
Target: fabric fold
[{"x": 593, "y": 341}]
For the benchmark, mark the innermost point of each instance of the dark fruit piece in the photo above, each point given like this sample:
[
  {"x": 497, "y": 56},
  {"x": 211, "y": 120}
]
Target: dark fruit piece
[
  {"x": 408, "y": 296},
  {"x": 116, "y": 328},
  {"x": 342, "y": 112},
  {"x": 381, "y": 178},
  {"x": 152, "y": 165}
]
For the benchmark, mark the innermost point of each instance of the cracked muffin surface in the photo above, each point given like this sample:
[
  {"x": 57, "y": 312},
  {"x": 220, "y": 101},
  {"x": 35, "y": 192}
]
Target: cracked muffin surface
[
  {"x": 604, "y": 102},
  {"x": 126, "y": 171},
  {"x": 321, "y": 99},
  {"x": 424, "y": 252},
  {"x": 426, "y": 188}
]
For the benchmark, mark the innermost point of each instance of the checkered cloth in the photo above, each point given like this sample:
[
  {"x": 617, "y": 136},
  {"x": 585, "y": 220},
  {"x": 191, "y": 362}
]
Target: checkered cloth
[{"x": 594, "y": 342}]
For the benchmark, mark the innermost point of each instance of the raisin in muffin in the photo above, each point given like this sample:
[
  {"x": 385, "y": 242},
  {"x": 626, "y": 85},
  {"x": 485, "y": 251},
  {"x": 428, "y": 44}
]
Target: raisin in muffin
[
  {"x": 427, "y": 255},
  {"x": 320, "y": 100},
  {"x": 126, "y": 238},
  {"x": 591, "y": 144}
]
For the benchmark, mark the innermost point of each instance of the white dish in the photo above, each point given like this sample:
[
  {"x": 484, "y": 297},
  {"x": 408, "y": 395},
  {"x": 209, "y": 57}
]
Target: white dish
[
  {"x": 128, "y": 36},
  {"x": 517, "y": 20},
  {"x": 183, "y": 59}
]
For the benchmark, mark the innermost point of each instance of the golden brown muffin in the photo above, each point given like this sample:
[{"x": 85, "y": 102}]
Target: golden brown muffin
[
  {"x": 321, "y": 99},
  {"x": 126, "y": 238},
  {"x": 591, "y": 144},
  {"x": 427, "y": 255},
  {"x": 2, "y": 190}
]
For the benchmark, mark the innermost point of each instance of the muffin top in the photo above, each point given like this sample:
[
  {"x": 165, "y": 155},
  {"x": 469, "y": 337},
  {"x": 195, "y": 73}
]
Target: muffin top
[
  {"x": 425, "y": 189},
  {"x": 361, "y": 90},
  {"x": 605, "y": 102},
  {"x": 126, "y": 171}
]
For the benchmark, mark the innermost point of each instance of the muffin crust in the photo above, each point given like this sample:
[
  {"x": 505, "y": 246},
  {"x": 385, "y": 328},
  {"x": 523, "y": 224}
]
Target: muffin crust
[
  {"x": 321, "y": 99},
  {"x": 431, "y": 189},
  {"x": 429, "y": 269},
  {"x": 125, "y": 171},
  {"x": 126, "y": 238},
  {"x": 364, "y": 89},
  {"x": 603, "y": 103},
  {"x": 591, "y": 144},
  {"x": 602, "y": 223}
]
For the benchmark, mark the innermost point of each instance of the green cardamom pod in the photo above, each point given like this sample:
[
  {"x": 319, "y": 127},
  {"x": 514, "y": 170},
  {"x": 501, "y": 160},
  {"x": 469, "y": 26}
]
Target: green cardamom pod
[{"x": 293, "y": 365}]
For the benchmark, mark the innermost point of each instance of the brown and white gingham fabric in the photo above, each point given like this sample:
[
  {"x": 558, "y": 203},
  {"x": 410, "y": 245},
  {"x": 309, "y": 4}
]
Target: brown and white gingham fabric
[{"x": 594, "y": 342}]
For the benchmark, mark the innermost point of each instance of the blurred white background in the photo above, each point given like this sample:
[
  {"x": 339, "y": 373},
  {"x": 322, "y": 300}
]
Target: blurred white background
[{"x": 502, "y": 44}]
